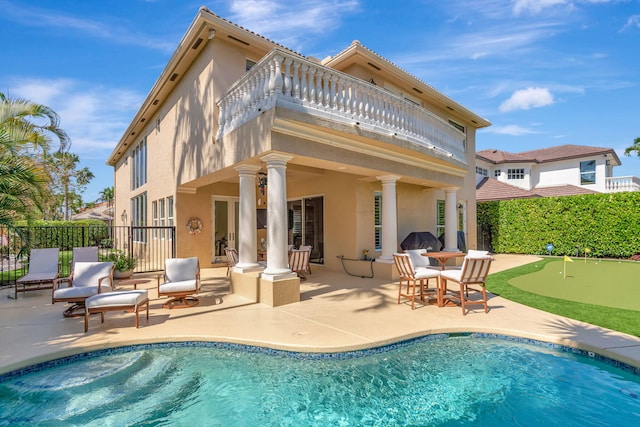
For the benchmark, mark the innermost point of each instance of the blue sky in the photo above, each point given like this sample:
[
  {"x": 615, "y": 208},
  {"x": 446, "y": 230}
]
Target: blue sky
[{"x": 544, "y": 72}]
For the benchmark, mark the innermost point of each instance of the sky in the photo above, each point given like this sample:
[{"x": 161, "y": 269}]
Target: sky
[{"x": 543, "y": 72}]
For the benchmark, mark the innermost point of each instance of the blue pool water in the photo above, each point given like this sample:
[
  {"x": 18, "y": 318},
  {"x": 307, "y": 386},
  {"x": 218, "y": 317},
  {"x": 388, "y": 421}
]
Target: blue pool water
[{"x": 440, "y": 381}]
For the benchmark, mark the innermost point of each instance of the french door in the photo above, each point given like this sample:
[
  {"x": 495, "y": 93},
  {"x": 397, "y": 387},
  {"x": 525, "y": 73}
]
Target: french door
[
  {"x": 224, "y": 218},
  {"x": 306, "y": 225}
]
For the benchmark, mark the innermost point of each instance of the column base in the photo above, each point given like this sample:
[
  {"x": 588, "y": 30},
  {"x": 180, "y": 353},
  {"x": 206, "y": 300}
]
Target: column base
[
  {"x": 248, "y": 268},
  {"x": 279, "y": 292}
]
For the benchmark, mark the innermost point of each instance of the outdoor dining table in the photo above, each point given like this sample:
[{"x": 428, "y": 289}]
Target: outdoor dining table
[{"x": 443, "y": 257}]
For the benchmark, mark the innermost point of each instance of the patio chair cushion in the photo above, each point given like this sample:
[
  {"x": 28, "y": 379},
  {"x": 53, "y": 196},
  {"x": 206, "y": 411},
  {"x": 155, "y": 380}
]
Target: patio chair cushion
[
  {"x": 181, "y": 286},
  {"x": 472, "y": 253},
  {"x": 181, "y": 269},
  {"x": 79, "y": 291},
  {"x": 417, "y": 259}
]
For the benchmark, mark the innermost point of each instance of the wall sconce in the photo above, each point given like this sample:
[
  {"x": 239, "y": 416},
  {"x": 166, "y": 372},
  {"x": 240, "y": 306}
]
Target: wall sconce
[
  {"x": 262, "y": 182},
  {"x": 123, "y": 217},
  {"x": 608, "y": 162}
]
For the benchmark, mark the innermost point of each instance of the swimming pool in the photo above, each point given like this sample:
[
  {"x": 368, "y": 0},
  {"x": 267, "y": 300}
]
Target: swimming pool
[{"x": 435, "y": 380}]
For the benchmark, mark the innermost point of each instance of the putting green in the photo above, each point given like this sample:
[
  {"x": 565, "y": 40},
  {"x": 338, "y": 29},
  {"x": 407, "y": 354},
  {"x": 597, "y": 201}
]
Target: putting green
[{"x": 607, "y": 283}]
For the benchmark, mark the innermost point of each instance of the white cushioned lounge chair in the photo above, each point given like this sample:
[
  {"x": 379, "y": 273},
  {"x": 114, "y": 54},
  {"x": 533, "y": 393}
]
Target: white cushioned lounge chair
[{"x": 180, "y": 281}]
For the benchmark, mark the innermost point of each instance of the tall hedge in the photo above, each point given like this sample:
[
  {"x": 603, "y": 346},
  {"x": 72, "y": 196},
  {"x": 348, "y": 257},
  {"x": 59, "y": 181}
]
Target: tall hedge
[{"x": 607, "y": 224}]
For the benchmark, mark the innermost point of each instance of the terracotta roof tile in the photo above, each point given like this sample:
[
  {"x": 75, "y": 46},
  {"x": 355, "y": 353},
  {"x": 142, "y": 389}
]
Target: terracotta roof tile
[
  {"x": 498, "y": 156},
  {"x": 492, "y": 189},
  {"x": 562, "y": 190},
  {"x": 543, "y": 155}
]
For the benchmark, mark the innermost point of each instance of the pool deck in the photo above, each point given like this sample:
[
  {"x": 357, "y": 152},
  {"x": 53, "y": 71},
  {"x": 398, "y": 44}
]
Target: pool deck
[{"x": 337, "y": 312}]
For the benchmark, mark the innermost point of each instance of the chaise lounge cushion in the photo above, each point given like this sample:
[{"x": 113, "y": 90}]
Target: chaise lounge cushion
[{"x": 181, "y": 286}]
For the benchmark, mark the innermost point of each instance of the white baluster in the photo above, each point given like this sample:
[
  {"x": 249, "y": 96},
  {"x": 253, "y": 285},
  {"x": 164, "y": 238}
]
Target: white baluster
[
  {"x": 286, "y": 68},
  {"x": 296, "y": 81},
  {"x": 304, "y": 80},
  {"x": 312, "y": 86}
]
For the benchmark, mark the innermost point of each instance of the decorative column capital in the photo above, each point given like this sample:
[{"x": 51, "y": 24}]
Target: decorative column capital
[
  {"x": 388, "y": 179},
  {"x": 450, "y": 189},
  {"x": 276, "y": 158},
  {"x": 247, "y": 169}
]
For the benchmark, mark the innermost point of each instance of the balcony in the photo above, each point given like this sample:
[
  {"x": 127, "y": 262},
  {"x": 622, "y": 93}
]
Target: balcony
[
  {"x": 285, "y": 80},
  {"x": 622, "y": 183}
]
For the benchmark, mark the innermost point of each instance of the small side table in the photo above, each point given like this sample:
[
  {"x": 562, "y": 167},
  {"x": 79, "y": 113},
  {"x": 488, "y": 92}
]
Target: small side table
[{"x": 134, "y": 282}]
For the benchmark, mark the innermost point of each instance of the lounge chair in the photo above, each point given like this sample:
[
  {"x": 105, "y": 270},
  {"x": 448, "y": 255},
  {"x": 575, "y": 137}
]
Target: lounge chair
[
  {"x": 86, "y": 279},
  {"x": 180, "y": 280},
  {"x": 84, "y": 254},
  {"x": 415, "y": 278},
  {"x": 302, "y": 248},
  {"x": 471, "y": 277},
  {"x": 43, "y": 268},
  {"x": 232, "y": 258},
  {"x": 299, "y": 262}
]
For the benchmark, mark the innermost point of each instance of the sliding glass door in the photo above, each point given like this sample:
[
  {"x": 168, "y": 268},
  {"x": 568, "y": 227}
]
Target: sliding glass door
[{"x": 306, "y": 225}]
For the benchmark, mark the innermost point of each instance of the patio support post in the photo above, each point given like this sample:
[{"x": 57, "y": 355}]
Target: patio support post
[
  {"x": 277, "y": 262},
  {"x": 247, "y": 230},
  {"x": 450, "y": 220},
  {"x": 389, "y": 217}
]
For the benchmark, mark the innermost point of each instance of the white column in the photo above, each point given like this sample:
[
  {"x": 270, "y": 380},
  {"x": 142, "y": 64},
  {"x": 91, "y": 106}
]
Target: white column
[
  {"x": 450, "y": 220},
  {"x": 277, "y": 218},
  {"x": 389, "y": 217},
  {"x": 247, "y": 230}
]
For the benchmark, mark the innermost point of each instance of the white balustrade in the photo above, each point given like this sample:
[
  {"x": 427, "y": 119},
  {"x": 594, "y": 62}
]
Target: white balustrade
[
  {"x": 622, "y": 183},
  {"x": 290, "y": 81}
]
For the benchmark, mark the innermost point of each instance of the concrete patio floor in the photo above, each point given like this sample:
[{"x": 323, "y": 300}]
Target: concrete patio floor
[{"x": 337, "y": 312}]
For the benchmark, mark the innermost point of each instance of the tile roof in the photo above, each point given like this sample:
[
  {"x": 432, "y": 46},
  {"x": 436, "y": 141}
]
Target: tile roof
[
  {"x": 491, "y": 189},
  {"x": 543, "y": 155}
]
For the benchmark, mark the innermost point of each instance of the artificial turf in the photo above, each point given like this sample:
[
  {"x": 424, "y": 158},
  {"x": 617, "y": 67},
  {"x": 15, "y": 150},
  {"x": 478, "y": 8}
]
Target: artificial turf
[{"x": 603, "y": 293}]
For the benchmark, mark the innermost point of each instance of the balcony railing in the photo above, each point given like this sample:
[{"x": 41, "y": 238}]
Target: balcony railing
[
  {"x": 289, "y": 81},
  {"x": 622, "y": 183}
]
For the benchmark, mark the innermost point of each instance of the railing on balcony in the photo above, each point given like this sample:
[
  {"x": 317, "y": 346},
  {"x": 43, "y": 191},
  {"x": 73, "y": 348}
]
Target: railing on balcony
[
  {"x": 622, "y": 183},
  {"x": 290, "y": 81}
]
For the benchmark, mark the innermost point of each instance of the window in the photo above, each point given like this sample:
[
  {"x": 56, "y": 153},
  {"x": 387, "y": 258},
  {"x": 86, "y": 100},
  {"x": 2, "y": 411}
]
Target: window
[
  {"x": 377, "y": 219},
  {"x": 457, "y": 126},
  {"x": 170, "y": 214},
  {"x": 139, "y": 165},
  {"x": 588, "y": 172},
  {"x": 139, "y": 216},
  {"x": 497, "y": 173},
  {"x": 440, "y": 218},
  {"x": 161, "y": 206},
  {"x": 482, "y": 171},
  {"x": 515, "y": 173},
  {"x": 154, "y": 215}
]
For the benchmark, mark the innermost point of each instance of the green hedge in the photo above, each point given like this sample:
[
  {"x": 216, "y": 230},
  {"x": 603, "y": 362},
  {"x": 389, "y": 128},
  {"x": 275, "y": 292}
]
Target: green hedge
[
  {"x": 607, "y": 224},
  {"x": 63, "y": 234}
]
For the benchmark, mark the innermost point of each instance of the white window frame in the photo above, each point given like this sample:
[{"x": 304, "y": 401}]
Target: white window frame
[
  {"x": 170, "y": 214},
  {"x": 515, "y": 173},
  {"x": 139, "y": 165},
  {"x": 585, "y": 173},
  {"x": 139, "y": 216},
  {"x": 482, "y": 171},
  {"x": 440, "y": 217}
]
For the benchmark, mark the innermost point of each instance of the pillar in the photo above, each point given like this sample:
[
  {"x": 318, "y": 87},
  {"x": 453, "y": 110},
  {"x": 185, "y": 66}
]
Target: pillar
[
  {"x": 450, "y": 220},
  {"x": 389, "y": 217},
  {"x": 247, "y": 230}
]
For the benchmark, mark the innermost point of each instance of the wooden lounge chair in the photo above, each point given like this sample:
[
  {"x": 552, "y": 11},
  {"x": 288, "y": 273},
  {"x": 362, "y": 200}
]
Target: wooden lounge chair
[
  {"x": 471, "y": 277},
  {"x": 43, "y": 269},
  {"x": 302, "y": 248},
  {"x": 299, "y": 262},
  {"x": 180, "y": 280},
  {"x": 415, "y": 278},
  {"x": 232, "y": 258},
  {"x": 86, "y": 279}
]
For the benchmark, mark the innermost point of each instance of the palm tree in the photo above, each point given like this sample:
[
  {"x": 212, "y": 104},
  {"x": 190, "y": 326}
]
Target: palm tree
[
  {"x": 69, "y": 181},
  {"x": 106, "y": 195},
  {"x": 22, "y": 180},
  {"x": 635, "y": 147}
]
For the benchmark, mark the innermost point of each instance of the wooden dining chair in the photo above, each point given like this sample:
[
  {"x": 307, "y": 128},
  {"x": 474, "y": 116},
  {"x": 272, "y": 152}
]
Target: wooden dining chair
[
  {"x": 299, "y": 262},
  {"x": 471, "y": 277},
  {"x": 415, "y": 278},
  {"x": 232, "y": 258}
]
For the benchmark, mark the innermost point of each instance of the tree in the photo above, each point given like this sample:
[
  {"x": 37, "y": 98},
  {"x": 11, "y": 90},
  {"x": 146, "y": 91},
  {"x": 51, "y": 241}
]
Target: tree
[
  {"x": 66, "y": 180},
  {"x": 22, "y": 135},
  {"x": 107, "y": 195},
  {"x": 635, "y": 147}
]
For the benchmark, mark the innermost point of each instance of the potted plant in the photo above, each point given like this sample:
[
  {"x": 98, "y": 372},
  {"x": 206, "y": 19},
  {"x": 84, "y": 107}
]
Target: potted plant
[{"x": 123, "y": 264}]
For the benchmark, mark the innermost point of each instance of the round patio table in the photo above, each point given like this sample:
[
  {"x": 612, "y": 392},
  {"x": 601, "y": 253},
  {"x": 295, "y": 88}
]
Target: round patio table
[{"x": 443, "y": 257}]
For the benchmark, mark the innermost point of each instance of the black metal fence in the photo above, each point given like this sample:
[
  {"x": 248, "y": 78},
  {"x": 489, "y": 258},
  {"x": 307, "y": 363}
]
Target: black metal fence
[{"x": 150, "y": 246}]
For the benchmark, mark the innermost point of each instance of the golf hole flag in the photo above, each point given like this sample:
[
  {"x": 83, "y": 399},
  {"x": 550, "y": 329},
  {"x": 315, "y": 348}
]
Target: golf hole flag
[{"x": 566, "y": 258}]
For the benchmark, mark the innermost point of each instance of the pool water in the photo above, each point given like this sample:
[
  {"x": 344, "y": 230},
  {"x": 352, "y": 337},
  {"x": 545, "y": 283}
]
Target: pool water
[{"x": 451, "y": 381}]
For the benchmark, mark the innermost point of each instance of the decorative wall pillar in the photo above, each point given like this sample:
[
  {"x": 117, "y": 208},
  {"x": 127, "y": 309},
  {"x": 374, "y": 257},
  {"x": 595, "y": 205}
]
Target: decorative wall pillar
[
  {"x": 450, "y": 220},
  {"x": 277, "y": 218},
  {"x": 389, "y": 217},
  {"x": 247, "y": 230}
]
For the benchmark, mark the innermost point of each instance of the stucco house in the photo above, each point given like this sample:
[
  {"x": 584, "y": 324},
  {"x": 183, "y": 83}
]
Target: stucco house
[
  {"x": 563, "y": 170},
  {"x": 245, "y": 143}
]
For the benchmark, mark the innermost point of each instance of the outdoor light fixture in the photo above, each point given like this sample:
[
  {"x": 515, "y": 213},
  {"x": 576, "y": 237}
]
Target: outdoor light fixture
[
  {"x": 123, "y": 217},
  {"x": 212, "y": 34},
  {"x": 262, "y": 182}
]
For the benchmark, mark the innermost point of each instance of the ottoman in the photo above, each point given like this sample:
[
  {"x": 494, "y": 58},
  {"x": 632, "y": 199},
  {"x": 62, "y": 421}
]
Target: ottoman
[{"x": 130, "y": 301}]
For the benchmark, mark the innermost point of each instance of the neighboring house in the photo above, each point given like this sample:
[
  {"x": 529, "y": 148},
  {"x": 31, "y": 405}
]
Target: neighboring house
[
  {"x": 102, "y": 211},
  {"x": 346, "y": 154},
  {"x": 564, "y": 170}
]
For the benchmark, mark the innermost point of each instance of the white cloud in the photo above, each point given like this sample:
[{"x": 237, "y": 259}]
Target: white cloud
[
  {"x": 525, "y": 99},
  {"x": 632, "y": 22},
  {"x": 513, "y": 130},
  {"x": 286, "y": 22},
  {"x": 534, "y": 6},
  {"x": 92, "y": 116}
]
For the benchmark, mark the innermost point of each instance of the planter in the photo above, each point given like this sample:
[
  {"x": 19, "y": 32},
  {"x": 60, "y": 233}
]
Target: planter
[{"x": 117, "y": 274}]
